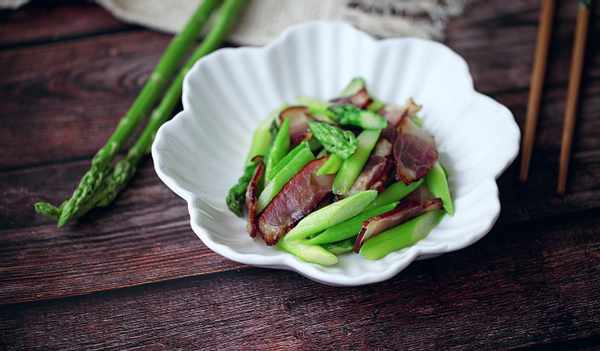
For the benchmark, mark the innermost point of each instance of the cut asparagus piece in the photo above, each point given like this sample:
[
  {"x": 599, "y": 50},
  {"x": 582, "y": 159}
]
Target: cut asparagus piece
[
  {"x": 437, "y": 182},
  {"x": 339, "y": 247},
  {"x": 332, "y": 165},
  {"x": 287, "y": 172},
  {"x": 309, "y": 253},
  {"x": 280, "y": 147},
  {"x": 395, "y": 192},
  {"x": 349, "y": 227},
  {"x": 330, "y": 215},
  {"x": 355, "y": 85},
  {"x": 286, "y": 159},
  {"x": 353, "y": 165},
  {"x": 316, "y": 107},
  {"x": 402, "y": 236}
]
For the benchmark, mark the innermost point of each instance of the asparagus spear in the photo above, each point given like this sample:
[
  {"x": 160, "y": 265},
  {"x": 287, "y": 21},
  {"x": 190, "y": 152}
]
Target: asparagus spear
[
  {"x": 280, "y": 147},
  {"x": 351, "y": 167},
  {"x": 337, "y": 141},
  {"x": 261, "y": 141},
  {"x": 126, "y": 167},
  {"x": 347, "y": 114},
  {"x": 332, "y": 165},
  {"x": 93, "y": 189}
]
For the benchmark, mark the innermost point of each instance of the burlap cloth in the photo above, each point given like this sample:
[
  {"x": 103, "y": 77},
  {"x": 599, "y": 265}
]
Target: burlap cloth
[{"x": 263, "y": 20}]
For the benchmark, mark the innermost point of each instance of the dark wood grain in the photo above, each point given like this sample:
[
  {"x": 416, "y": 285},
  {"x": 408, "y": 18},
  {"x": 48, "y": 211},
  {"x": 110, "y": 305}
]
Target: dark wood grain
[
  {"x": 133, "y": 275},
  {"x": 517, "y": 287},
  {"x": 114, "y": 247},
  {"x": 69, "y": 96}
]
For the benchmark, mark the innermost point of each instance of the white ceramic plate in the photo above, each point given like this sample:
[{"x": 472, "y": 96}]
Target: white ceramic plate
[{"x": 200, "y": 153}]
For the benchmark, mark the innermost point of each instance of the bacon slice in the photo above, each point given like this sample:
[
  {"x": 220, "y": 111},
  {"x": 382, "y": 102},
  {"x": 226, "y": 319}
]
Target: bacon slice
[
  {"x": 361, "y": 99},
  {"x": 299, "y": 118},
  {"x": 414, "y": 151},
  {"x": 295, "y": 200},
  {"x": 374, "y": 169},
  {"x": 401, "y": 214},
  {"x": 395, "y": 113},
  {"x": 389, "y": 134},
  {"x": 251, "y": 196}
]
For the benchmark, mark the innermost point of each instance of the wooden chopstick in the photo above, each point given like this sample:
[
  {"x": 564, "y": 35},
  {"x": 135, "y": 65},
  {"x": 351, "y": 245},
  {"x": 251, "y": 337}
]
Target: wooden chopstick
[
  {"x": 537, "y": 83},
  {"x": 583, "y": 17}
]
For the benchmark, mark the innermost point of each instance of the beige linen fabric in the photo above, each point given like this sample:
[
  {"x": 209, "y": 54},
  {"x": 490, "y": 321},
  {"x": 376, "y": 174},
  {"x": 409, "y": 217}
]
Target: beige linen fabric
[{"x": 263, "y": 20}]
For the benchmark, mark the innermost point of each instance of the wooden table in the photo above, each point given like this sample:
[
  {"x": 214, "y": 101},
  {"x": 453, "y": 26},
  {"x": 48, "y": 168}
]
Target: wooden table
[{"x": 134, "y": 275}]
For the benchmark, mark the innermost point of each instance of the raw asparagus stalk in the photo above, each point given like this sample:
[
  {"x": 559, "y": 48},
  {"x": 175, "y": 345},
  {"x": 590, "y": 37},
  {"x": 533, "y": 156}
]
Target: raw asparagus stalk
[
  {"x": 92, "y": 188},
  {"x": 126, "y": 167}
]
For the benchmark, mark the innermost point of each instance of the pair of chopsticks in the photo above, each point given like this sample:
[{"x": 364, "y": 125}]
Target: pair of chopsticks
[{"x": 537, "y": 82}]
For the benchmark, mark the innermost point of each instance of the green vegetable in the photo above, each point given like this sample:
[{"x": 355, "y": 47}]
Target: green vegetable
[
  {"x": 375, "y": 105},
  {"x": 237, "y": 194},
  {"x": 286, "y": 159},
  {"x": 355, "y": 85},
  {"x": 100, "y": 185},
  {"x": 280, "y": 147},
  {"x": 395, "y": 192},
  {"x": 259, "y": 147},
  {"x": 347, "y": 114},
  {"x": 309, "y": 253},
  {"x": 353, "y": 165},
  {"x": 349, "y": 227},
  {"x": 273, "y": 188},
  {"x": 331, "y": 166},
  {"x": 337, "y": 141},
  {"x": 417, "y": 120},
  {"x": 126, "y": 167},
  {"x": 330, "y": 215},
  {"x": 261, "y": 141},
  {"x": 316, "y": 107},
  {"x": 340, "y": 247},
  {"x": 404, "y": 235},
  {"x": 437, "y": 182}
]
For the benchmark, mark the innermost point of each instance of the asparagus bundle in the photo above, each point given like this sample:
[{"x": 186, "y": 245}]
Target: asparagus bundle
[{"x": 102, "y": 183}]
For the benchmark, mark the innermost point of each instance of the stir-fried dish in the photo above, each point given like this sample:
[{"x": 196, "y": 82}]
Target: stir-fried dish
[{"x": 353, "y": 174}]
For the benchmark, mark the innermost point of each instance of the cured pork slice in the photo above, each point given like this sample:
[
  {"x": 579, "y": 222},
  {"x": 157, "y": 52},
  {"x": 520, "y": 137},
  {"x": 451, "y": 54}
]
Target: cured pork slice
[
  {"x": 414, "y": 151},
  {"x": 401, "y": 214},
  {"x": 295, "y": 200},
  {"x": 299, "y": 118},
  {"x": 375, "y": 169},
  {"x": 389, "y": 134},
  {"x": 361, "y": 99},
  {"x": 252, "y": 196},
  {"x": 395, "y": 113}
]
